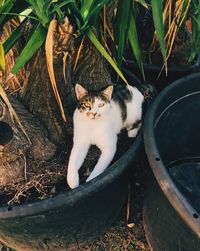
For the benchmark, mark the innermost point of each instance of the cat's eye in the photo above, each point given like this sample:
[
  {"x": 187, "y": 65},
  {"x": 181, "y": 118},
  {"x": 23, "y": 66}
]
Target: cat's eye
[{"x": 101, "y": 105}]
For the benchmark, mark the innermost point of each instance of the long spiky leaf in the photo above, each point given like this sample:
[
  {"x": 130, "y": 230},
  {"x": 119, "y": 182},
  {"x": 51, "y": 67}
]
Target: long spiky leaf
[
  {"x": 12, "y": 112},
  {"x": 33, "y": 44},
  {"x": 133, "y": 38},
  {"x": 121, "y": 27},
  {"x": 6, "y": 7},
  {"x": 195, "y": 48},
  {"x": 10, "y": 8},
  {"x": 104, "y": 53},
  {"x": 157, "y": 10},
  {"x": 13, "y": 38},
  {"x": 49, "y": 59}
]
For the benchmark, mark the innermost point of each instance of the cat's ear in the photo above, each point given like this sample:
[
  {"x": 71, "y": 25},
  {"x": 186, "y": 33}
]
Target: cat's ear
[
  {"x": 108, "y": 92},
  {"x": 80, "y": 91}
]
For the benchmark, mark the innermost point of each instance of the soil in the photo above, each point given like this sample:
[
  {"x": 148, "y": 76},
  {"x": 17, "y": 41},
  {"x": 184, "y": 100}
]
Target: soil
[
  {"x": 44, "y": 179},
  {"x": 123, "y": 235}
]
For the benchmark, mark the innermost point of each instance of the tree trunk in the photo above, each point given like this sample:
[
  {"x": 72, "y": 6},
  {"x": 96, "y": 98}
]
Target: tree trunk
[
  {"x": 39, "y": 98},
  {"x": 38, "y": 94},
  {"x": 15, "y": 147},
  {"x": 40, "y": 114},
  {"x": 92, "y": 70}
]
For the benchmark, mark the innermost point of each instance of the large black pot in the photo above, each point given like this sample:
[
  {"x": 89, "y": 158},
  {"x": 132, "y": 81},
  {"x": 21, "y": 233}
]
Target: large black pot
[
  {"x": 172, "y": 142},
  {"x": 156, "y": 75},
  {"x": 79, "y": 215}
]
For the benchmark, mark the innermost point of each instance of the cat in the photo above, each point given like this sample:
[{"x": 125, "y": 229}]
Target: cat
[{"x": 98, "y": 119}]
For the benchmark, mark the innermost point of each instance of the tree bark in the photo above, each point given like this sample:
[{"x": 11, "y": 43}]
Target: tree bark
[
  {"x": 38, "y": 94},
  {"x": 40, "y": 114},
  {"x": 92, "y": 70},
  {"x": 15, "y": 147},
  {"x": 39, "y": 98}
]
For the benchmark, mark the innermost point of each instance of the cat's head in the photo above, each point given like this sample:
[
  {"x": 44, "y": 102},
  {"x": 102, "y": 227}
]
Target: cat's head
[{"x": 93, "y": 104}]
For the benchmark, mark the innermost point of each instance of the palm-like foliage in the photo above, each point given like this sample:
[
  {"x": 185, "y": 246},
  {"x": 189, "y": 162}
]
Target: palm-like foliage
[
  {"x": 89, "y": 18},
  {"x": 175, "y": 15},
  {"x": 85, "y": 15}
]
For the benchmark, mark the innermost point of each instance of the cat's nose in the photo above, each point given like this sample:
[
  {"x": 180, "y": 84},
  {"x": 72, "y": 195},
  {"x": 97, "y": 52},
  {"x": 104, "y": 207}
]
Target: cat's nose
[{"x": 94, "y": 113}]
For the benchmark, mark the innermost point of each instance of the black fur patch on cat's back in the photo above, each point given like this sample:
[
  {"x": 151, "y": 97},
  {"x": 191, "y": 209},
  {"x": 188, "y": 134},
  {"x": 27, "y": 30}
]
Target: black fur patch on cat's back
[{"x": 122, "y": 95}]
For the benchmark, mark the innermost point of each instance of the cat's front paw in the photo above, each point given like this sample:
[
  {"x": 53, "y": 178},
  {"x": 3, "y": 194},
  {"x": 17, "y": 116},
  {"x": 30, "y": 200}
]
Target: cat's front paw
[
  {"x": 88, "y": 179},
  {"x": 93, "y": 175},
  {"x": 73, "y": 179}
]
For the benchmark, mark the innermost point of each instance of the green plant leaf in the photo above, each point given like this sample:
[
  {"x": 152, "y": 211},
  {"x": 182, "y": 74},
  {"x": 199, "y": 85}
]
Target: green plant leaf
[
  {"x": 1, "y": 2},
  {"x": 11, "y": 6},
  {"x": 157, "y": 11},
  {"x": 104, "y": 53},
  {"x": 33, "y": 44},
  {"x": 58, "y": 6},
  {"x": 133, "y": 38},
  {"x": 121, "y": 26},
  {"x": 85, "y": 8},
  {"x": 14, "y": 37},
  {"x": 195, "y": 48},
  {"x": 6, "y": 7},
  {"x": 90, "y": 12},
  {"x": 94, "y": 10},
  {"x": 76, "y": 15},
  {"x": 62, "y": 3},
  {"x": 41, "y": 9}
]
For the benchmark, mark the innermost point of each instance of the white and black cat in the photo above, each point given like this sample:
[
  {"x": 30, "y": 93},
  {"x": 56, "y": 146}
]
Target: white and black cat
[{"x": 98, "y": 119}]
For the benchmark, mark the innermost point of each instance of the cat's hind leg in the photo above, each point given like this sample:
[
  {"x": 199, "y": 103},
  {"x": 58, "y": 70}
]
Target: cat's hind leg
[
  {"x": 77, "y": 156},
  {"x": 133, "y": 130}
]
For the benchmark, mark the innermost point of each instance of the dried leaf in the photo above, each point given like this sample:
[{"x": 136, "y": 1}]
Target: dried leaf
[
  {"x": 12, "y": 112},
  {"x": 78, "y": 53},
  {"x": 2, "y": 58},
  {"x": 49, "y": 60}
]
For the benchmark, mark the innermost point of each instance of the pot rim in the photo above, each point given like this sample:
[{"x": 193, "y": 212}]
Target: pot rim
[
  {"x": 174, "y": 196},
  {"x": 171, "y": 69}
]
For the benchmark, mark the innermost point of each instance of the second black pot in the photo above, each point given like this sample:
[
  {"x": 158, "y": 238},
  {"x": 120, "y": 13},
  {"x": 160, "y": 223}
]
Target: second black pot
[
  {"x": 172, "y": 142},
  {"x": 157, "y": 76}
]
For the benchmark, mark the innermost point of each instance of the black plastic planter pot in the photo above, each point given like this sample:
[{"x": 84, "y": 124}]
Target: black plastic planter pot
[
  {"x": 172, "y": 142},
  {"x": 72, "y": 217},
  {"x": 157, "y": 76}
]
